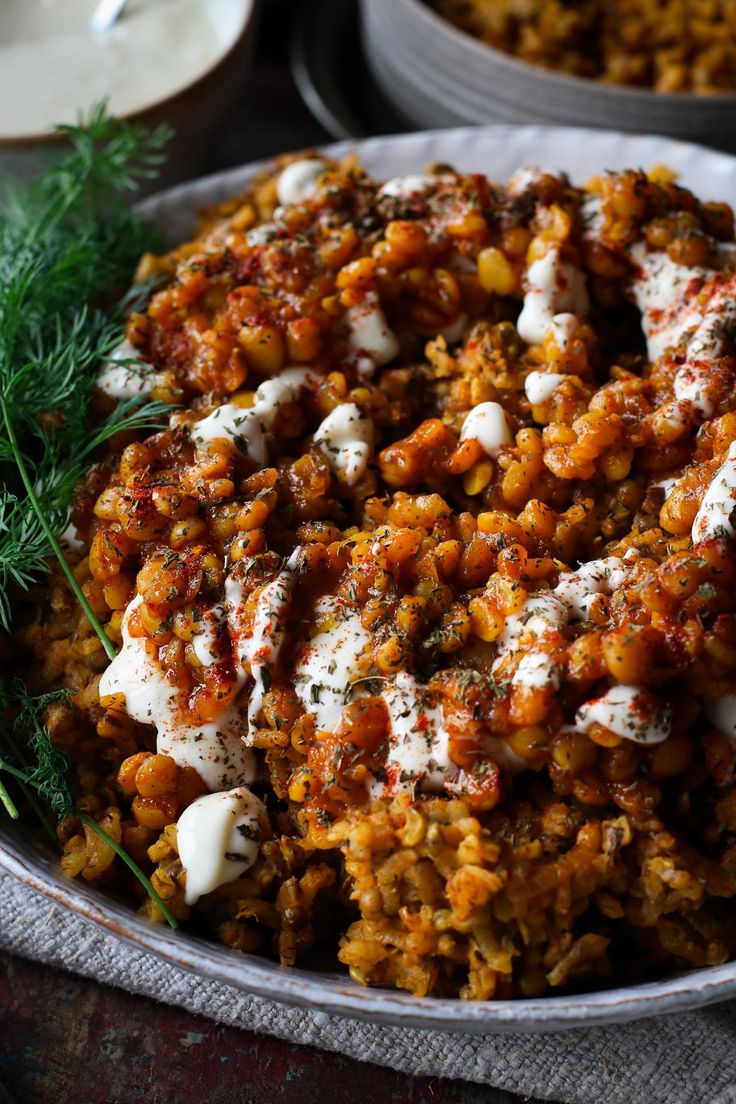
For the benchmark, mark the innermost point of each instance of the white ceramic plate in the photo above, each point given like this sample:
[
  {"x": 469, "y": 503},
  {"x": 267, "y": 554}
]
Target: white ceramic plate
[{"x": 497, "y": 151}]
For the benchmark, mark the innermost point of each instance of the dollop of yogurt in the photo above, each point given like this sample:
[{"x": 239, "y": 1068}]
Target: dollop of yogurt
[
  {"x": 346, "y": 439},
  {"x": 299, "y": 180},
  {"x": 218, "y": 839}
]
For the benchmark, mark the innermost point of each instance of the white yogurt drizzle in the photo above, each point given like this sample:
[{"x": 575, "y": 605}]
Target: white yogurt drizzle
[
  {"x": 328, "y": 665},
  {"x": 666, "y": 294},
  {"x": 218, "y": 838},
  {"x": 715, "y": 518},
  {"x": 214, "y": 749},
  {"x": 121, "y": 379},
  {"x": 299, "y": 180},
  {"x": 261, "y": 235},
  {"x": 629, "y": 711},
  {"x": 418, "y": 740},
  {"x": 206, "y": 642},
  {"x": 416, "y": 184},
  {"x": 578, "y": 589},
  {"x": 346, "y": 438},
  {"x": 553, "y": 286},
  {"x": 486, "y": 423},
  {"x": 259, "y": 650},
  {"x": 248, "y": 426},
  {"x": 371, "y": 340},
  {"x": 544, "y": 616},
  {"x": 525, "y": 178}
]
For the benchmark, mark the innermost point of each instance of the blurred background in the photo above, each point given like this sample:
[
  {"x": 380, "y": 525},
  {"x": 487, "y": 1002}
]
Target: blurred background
[{"x": 244, "y": 79}]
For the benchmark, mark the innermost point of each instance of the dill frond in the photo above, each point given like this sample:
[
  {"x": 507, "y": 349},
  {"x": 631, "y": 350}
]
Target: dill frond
[
  {"x": 69, "y": 245},
  {"x": 43, "y": 772}
]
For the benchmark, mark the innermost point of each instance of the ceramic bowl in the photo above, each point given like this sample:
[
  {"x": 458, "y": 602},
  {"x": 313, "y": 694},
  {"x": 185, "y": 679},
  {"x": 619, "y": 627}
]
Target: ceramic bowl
[
  {"x": 193, "y": 111},
  {"x": 436, "y": 75},
  {"x": 497, "y": 151}
]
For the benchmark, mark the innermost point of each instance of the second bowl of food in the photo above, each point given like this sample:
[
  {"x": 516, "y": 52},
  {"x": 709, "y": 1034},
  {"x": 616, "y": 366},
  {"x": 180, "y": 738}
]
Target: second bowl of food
[{"x": 662, "y": 75}]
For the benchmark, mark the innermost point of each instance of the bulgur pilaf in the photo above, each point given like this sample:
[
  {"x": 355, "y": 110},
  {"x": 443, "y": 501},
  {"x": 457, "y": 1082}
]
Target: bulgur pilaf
[
  {"x": 668, "y": 45},
  {"x": 426, "y": 596}
]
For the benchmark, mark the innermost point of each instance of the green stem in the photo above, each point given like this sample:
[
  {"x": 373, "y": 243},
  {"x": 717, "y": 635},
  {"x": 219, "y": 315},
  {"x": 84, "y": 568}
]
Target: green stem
[
  {"x": 55, "y": 546},
  {"x": 122, "y": 854},
  {"x": 10, "y": 807},
  {"x": 22, "y": 776},
  {"x": 30, "y": 796}
]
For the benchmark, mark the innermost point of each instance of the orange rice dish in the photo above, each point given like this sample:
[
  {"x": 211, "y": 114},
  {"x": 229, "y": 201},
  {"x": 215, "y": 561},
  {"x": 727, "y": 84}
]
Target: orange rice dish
[{"x": 425, "y": 597}]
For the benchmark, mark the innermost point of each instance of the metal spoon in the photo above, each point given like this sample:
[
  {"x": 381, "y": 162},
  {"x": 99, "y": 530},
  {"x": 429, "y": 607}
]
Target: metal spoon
[{"x": 105, "y": 14}]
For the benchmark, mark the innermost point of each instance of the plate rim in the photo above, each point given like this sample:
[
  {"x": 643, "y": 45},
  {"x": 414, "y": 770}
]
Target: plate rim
[{"x": 298, "y": 987}]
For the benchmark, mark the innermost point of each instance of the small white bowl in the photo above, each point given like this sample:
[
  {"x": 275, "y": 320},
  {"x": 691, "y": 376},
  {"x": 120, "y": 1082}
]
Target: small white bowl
[
  {"x": 436, "y": 75},
  {"x": 192, "y": 109}
]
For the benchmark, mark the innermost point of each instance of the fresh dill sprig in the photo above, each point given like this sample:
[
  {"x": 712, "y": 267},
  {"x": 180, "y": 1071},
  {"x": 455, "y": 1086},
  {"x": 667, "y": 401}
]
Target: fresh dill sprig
[
  {"x": 29, "y": 756},
  {"x": 68, "y": 245},
  {"x": 68, "y": 248}
]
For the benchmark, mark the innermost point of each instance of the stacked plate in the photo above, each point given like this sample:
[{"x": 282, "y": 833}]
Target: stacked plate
[{"x": 436, "y": 75}]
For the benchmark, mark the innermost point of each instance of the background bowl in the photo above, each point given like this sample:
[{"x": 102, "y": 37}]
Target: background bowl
[
  {"x": 193, "y": 111},
  {"x": 436, "y": 75},
  {"x": 497, "y": 151}
]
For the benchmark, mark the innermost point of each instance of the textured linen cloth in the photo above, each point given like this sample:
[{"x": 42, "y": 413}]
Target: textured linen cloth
[{"x": 686, "y": 1059}]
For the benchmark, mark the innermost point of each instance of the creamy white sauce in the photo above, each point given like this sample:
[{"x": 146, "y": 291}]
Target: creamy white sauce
[
  {"x": 346, "y": 439},
  {"x": 418, "y": 740},
  {"x": 525, "y": 178},
  {"x": 328, "y": 665},
  {"x": 52, "y": 67},
  {"x": 694, "y": 384},
  {"x": 214, "y": 749},
  {"x": 261, "y": 235},
  {"x": 563, "y": 329},
  {"x": 248, "y": 427},
  {"x": 218, "y": 838},
  {"x": 543, "y": 618},
  {"x": 541, "y": 386},
  {"x": 239, "y": 424},
  {"x": 206, "y": 642},
  {"x": 666, "y": 485},
  {"x": 371, "y": 339},
  {"x": 664, "y": 293},
  {"x": 419, "y": 743},
  {"x": 577, "y": 589},
  {"x": 404, "y": 187},
  {"x": 121, "y": 380},
  {"x": 542, "y": 615},
  {"x": 537, "y": 671},
  {"x": 591, "y": 211},
  {"x": 299, "y": 180},
  {"x": 695, "y": 387},
  {"x": 553, "y": 286},
  {"x": 259, "y": 650},
  {"x": 629, "y": 711},
  {"x": 715, "y": 518},
  {"x": 486, "y": 423}
]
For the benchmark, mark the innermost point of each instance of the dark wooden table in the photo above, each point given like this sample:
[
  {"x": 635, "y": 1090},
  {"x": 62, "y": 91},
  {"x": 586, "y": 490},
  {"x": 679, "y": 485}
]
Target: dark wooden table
[{"x": 66, "y": 1040}]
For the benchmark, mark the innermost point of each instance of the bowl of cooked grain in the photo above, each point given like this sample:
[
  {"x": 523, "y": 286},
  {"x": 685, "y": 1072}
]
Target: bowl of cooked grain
[
  {"x": 638, "y": 67},
  {"x": 423, "y": 599}
]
